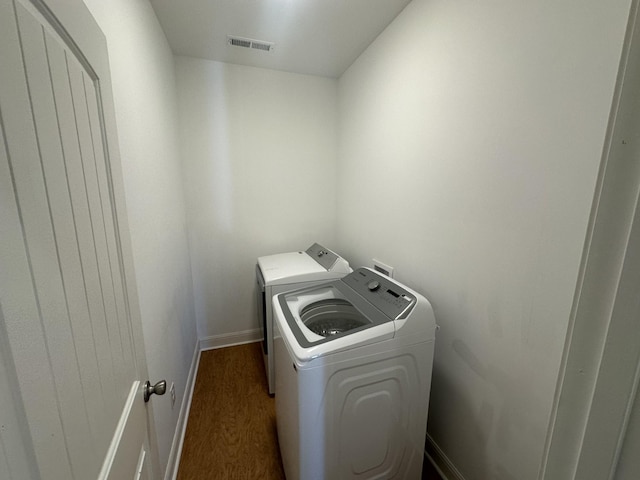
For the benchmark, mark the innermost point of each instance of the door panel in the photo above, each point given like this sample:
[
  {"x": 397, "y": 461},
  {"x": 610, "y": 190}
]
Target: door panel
[
  {"x": 23, "y": 273},
  {"x": 68, "y": 378},
  {"x": 87, "y": 259},
  {"x": 18, "y": 459},
  {"x": 124, "y": 338},
  {"x": 68, "y": 353},
  {"x": 628, "y": 462}
]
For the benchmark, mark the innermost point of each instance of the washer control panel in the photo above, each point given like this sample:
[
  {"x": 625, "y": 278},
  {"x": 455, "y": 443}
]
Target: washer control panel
[
  {"x": 385, "y": 294},
  {"x": 373, "y": 285}
]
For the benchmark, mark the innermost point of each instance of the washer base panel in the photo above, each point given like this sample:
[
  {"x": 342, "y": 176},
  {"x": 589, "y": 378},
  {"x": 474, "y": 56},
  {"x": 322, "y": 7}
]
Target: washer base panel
[{"x": 360, "y": 414}]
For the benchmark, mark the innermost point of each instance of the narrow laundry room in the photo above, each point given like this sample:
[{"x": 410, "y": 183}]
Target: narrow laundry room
[{"x": 319, "y": 239}]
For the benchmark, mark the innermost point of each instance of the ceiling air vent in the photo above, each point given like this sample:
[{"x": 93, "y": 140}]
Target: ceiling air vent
[{"x": 250, "y": 43}]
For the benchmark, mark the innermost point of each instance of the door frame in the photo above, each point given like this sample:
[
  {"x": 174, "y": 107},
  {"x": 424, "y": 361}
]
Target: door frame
[{"x": 599, "y": 375}]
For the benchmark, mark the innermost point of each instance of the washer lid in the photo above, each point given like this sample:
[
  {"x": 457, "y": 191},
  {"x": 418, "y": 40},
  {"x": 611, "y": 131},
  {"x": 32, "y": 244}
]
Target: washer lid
[
  {"x": 319, "y": 320},
  {"x": 289, "y": 267},
  {"x": 317, "y": 263},
  {"x": 361, "y": 308},
  {"x": 326, "y": 318}
]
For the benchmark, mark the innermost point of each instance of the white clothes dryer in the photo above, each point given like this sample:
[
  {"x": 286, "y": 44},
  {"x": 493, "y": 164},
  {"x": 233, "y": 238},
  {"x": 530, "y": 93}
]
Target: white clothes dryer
[
  {"x": 286, "y": 271},
  {"x": 353, "y": 364}
]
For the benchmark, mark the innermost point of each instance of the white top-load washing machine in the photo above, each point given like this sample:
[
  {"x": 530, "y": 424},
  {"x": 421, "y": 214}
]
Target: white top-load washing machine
[
  {"x": 283, "y": 272},
  {"x": 353, "y": 374}
]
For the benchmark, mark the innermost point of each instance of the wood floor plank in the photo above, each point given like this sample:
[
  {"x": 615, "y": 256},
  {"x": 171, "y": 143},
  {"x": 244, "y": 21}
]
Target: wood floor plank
[{"x": 231, "y": 433}]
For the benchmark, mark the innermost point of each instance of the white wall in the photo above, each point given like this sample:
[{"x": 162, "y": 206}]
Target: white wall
[
  {"x": 470, "y": 135},
  {"x": 145, "y": 104},
  {"x": 259, "y": 153}
]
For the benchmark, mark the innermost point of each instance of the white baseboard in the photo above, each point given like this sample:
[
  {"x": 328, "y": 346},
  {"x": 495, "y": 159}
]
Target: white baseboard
[
  {"x": 440, "y": 461},
  {"x": 230, "y": 339},
  {"x": 181, "y": 427}
]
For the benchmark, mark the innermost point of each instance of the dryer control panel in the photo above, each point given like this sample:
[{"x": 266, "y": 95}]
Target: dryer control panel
[
  {"x": 382, "y": 292},
  {"x": 322, "y": 255}
]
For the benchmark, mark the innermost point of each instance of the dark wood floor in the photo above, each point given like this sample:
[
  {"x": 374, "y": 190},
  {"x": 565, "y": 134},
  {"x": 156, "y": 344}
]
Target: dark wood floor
[{"x": 231, "y": 432}]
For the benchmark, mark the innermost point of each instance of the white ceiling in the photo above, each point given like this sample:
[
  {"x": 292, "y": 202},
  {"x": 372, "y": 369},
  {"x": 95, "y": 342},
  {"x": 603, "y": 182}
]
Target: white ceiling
[{"x": 317, "y": 37}]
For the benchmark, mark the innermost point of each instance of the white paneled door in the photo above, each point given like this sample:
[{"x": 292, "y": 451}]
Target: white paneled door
[{"x": 71, "y": 403}]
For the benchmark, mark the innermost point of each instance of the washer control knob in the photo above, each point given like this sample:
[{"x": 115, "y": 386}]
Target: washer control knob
[{"x": 373, "y": 285}]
